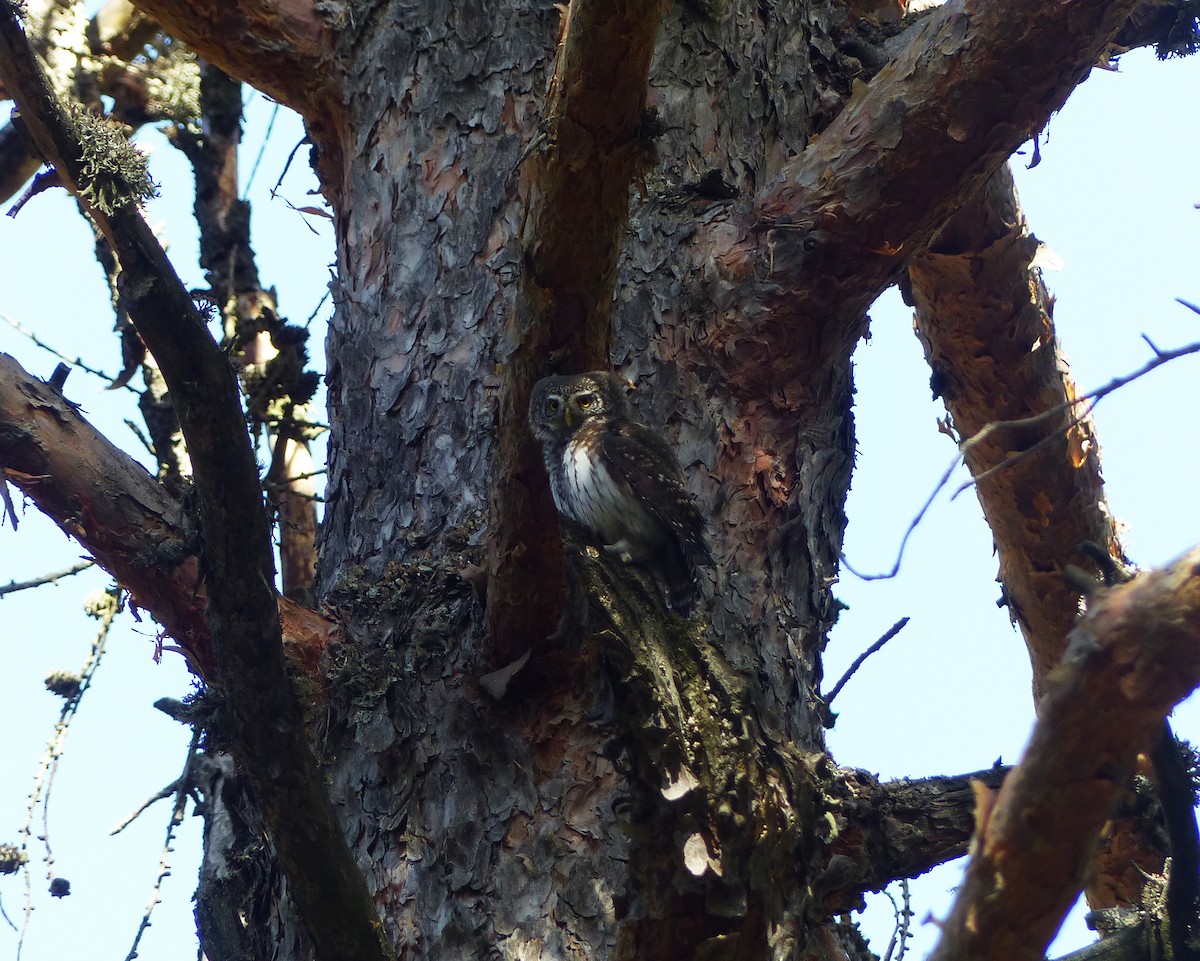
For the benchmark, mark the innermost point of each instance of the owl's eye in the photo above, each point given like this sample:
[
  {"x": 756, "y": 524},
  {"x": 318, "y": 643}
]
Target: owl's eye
[
  {"x": 586, "y": 401},
  {"x": 552, "y": 405}
]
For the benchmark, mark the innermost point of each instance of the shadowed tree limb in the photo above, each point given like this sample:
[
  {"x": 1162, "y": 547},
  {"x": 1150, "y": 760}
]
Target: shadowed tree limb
[
  {"x": 267, "y": 727},
  {"x": 895, "y": 829},
  {"x": 1137, "y": 653}
]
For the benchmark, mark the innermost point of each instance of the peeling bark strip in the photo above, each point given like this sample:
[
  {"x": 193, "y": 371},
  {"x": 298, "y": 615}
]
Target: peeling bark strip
[
  {"x": 1137, "y": 653},
  {"x": 268, "y": 736}
]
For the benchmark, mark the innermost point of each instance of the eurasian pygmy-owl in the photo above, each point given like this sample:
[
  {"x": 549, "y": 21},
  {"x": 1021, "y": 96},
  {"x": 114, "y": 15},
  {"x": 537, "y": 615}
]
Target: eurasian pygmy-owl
[{"x": 620, "y": 481}]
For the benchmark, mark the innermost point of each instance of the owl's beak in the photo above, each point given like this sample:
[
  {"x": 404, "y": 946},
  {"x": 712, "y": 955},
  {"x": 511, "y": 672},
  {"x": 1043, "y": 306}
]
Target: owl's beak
[{"x": 567, "y": 416}]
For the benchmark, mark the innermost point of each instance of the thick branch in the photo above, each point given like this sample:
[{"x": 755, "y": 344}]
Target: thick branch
[
  {"x": 840, "y": 222},
  {"x": 984, "y": 318},
  {"x": 897, "y": 829},
  {"x": 283, "y": 49},
  {"x": 579, "y": 201},
  {"x": 122, "y": 517},
  {"x": 982, "y": 309},
  {"x": 268, "y": 736},
  {"x": 1130, "y": 660}
]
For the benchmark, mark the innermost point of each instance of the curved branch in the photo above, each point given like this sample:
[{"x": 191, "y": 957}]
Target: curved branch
[
  {"x": 283, "y": 49},
  {"x": 1130, "y": 660}
]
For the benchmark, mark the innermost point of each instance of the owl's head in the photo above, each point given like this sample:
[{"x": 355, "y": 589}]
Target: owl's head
[{"x": 559, "y": 405}]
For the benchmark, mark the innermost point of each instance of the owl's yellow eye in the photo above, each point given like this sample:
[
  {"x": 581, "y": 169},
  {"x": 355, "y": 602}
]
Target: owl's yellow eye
[
  {"x": 552, "y": 405},
  {"x": 586, "y": 401}
]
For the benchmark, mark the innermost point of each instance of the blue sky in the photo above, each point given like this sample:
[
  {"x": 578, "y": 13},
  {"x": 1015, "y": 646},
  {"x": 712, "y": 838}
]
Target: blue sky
[{"x": 1114, "y": 196}]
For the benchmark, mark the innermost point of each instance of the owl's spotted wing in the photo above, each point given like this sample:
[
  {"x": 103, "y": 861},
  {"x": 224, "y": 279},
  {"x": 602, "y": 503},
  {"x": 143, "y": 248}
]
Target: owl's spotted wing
[{"x": 642, "y": 460}]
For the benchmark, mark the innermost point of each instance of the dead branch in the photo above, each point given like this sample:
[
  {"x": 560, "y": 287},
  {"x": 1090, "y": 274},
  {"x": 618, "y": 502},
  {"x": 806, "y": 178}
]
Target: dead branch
[
  {"x": 268, "y": 735},
  {"x": 13, "y": 586},
  {"x": 892, "y": 830},
  {"x": 1129, "y": 661}
]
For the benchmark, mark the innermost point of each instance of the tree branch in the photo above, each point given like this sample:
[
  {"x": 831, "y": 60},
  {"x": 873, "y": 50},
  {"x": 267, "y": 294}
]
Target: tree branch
[
  {"x": 135, "y": 530},
  {"x": 282, "y": 49},
  {"x": 897, "y": 829},
  {"x": 1136, "y": 653},
  {"x": 268, "y": 735},
  {"x": 840, "y": 221},
  {"x": 981, "y": 306}
]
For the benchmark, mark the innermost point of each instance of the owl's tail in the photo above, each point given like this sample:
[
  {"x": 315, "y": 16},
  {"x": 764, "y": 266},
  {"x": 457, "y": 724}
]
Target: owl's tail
[{"x": 682, "y": 580}]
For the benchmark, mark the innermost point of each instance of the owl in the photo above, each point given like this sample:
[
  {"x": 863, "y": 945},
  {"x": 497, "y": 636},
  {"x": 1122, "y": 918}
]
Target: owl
[{"x": 620, "y": 481}]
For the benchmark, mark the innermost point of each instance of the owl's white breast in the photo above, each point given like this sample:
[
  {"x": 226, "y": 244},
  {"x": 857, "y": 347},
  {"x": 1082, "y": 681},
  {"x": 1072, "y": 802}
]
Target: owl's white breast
[{"x": 588, "y": 493}]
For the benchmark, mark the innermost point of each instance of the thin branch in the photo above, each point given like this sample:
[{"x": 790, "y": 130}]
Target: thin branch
[
  {"x": 987, "y": 430},
  {"x": 77, "y": 362},
  {"x": 262, "y": 149},
  {"x": 1160, "y": 357},
  {"x": 183, "y": 790},
  {"x": 903, "y": 920},
  {"x": 105, "y": 606},
  {"x": 858, "y": 662},
  {"x": 13, "y": 586}
]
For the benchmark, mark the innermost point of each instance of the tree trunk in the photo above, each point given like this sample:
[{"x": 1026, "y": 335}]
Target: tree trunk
[{"x": 531, "y": 826}]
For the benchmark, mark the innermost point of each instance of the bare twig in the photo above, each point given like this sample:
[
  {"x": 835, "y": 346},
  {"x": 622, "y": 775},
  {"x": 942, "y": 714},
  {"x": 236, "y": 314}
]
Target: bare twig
[
  {"x": 262, "y": 150},
  {"x": 77, "y": 362},
  {"x": 13, "y": 586},
  {"x": 1090, "y": 399},
  {"x": 858, "y": 662},
  {"x": 904, "y": 915},
  {"x": 183, "y": 790}
]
